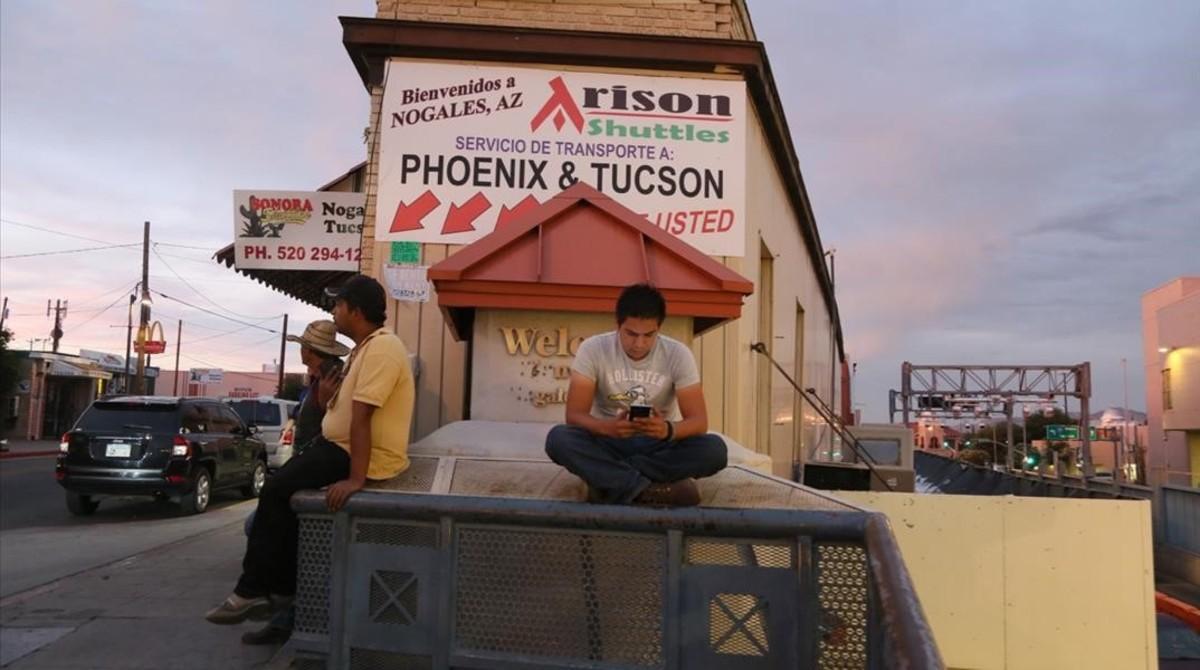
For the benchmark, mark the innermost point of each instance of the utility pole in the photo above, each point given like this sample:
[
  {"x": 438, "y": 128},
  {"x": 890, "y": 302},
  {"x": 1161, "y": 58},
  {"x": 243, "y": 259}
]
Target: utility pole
[
  {"x": 3, "y": 313},
  {"x": 129, "y": 340},
  {"x": 282, "y": 353},
  {"x": 60, "y": 313},
  {"x": 144, "y": 323},
  {"x": 178, "y": 346}
]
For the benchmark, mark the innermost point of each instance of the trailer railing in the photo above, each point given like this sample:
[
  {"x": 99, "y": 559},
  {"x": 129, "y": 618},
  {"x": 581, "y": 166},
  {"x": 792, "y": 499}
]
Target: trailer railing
[{"x": 765, "y": 574}]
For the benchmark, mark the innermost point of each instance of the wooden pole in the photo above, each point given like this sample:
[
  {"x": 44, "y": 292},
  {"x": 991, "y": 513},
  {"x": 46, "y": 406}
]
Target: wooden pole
[
  {"x": 282, "y": 354},
  {"x": 178, "y": 346}
]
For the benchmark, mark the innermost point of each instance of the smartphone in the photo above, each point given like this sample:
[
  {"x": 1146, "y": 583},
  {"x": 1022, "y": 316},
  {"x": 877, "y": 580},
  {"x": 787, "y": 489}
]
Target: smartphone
[
  {"x": 330, "y": 367},
  {"x": 639, "y": 412}
]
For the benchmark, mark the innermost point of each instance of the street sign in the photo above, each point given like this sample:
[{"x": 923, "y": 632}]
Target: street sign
[{"x": 1061, "y": 432}]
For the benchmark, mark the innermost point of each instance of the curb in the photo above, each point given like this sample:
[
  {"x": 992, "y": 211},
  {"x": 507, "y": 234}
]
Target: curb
[
  {"x": 1178, "y": 609},
  {"x": 27, "y": 454}
]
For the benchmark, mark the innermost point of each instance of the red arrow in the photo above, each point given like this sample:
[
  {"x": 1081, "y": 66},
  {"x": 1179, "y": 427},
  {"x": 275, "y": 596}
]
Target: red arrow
[
  {"x": 518, "y": 210},
  {"x": 459, "y": 218},
  {"x": 408, "y": 217}
]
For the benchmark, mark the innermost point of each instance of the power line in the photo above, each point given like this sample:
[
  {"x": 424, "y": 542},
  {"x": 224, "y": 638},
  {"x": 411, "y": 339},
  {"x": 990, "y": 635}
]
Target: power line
[
  {"x": 93, "y": 239},
  {"x": 194, "y": 289},
  {"x": 68, "y": 251},
  {"x": 53, "y": 232},
  {"x": 94, "y": 316},
  {"x": 207, "y": 264},
  {"x": 217, "y": 314},
  {"x": 103, "y": 296},
  {"x": 188, "y": 246},
  {"x": 222, "y": 334}
]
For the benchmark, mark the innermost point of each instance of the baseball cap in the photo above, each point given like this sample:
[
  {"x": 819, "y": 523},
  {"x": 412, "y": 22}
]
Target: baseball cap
[{"x": 363, "y": 293}]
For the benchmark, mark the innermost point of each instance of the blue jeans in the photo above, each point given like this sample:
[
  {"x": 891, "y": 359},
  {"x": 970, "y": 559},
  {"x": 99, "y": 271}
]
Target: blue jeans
[{"x": 620, "y": 469}]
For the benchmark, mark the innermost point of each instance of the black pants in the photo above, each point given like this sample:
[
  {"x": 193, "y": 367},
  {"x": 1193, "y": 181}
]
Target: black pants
[
  {"x": 269, "y": 566},
  {"x": 620, "y": 469}
]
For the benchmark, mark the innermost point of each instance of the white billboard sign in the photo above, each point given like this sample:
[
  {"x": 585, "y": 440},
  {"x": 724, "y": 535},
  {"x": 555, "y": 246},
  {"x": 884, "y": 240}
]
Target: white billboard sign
[
  {"x": 465, "y": 149},
  {"x": 206, "y": 376},
  {"x": 297, "y": 230}
]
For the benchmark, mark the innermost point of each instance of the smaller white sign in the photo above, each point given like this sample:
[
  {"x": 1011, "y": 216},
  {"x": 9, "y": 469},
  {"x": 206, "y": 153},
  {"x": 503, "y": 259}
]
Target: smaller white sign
[
  {"x": 206, "y": 376},
  {"x": 407, "y": 283},
  {"x": 298, "y": 230}
]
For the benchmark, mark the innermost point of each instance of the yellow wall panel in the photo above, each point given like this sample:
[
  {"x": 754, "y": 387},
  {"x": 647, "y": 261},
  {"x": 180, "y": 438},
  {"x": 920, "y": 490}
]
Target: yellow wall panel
[{"x": 1029, "y": 583}]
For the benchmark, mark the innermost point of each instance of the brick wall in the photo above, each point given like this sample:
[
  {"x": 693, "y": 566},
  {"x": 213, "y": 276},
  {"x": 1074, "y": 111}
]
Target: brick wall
[{"x": 691, "y": 18}]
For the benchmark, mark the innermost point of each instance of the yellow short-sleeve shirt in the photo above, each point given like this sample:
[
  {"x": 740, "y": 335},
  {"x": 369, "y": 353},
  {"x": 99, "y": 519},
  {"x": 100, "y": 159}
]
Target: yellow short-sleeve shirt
[{"x": 379, "y": 376}]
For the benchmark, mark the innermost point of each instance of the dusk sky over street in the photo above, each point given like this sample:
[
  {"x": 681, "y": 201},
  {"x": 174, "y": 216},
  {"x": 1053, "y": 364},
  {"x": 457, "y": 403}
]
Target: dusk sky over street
[{"x": 1001, "y": 182}]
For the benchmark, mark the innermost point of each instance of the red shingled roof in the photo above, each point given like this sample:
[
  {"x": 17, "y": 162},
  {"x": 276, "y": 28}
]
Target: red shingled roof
[{"x": 575, "y": 253}]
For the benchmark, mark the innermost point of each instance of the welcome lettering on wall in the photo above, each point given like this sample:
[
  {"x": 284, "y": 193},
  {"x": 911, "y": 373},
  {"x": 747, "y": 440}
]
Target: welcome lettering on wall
[{"x": 544, "y": 370}]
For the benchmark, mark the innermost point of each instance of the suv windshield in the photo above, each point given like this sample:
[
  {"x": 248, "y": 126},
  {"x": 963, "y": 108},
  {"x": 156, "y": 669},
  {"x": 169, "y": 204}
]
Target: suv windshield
[
  {"x": 125, "y": 416},
  {"x": 257, "y": 412}
]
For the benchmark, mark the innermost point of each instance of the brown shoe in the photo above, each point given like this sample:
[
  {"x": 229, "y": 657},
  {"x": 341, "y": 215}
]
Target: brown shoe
[{"x": 683, "y": 493}]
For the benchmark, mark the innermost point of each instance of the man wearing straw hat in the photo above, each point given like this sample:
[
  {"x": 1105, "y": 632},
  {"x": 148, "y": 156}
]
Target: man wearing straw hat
[{"x": 322, "y": 355}]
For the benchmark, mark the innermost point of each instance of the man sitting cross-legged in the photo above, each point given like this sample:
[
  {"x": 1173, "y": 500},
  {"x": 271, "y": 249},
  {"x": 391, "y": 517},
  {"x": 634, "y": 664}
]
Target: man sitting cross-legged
[{"x": 636, "y": 425}]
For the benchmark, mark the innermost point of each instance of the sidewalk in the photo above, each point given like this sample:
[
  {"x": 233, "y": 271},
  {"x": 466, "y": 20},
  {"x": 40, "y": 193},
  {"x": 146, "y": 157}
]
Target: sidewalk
[
  {"x": 146, "y": 611},
  {"x": 20, "y": 448}
]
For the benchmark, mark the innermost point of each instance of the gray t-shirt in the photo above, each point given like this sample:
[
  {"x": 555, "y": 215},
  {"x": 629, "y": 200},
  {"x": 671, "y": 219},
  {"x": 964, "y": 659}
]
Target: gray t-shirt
[{"x": 622, "y": 381}]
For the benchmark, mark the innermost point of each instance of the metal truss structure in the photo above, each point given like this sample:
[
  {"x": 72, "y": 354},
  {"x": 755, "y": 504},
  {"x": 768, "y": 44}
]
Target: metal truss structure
[{"x": 949, "y": 390}]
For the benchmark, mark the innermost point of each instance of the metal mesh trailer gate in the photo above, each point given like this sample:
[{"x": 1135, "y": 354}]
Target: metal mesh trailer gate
[{"x": 772, "y": 576}]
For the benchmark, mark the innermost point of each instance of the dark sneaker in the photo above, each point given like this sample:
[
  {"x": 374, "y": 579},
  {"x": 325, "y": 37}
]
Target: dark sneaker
[
  {"x": 269, "y": 634},
  {"x": 683, "y": 493},
  {"x": 237, "y": 609}
]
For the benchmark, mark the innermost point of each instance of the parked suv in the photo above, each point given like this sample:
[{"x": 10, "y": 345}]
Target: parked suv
[
  {"x": 181, "y": 449},
  {"x": 270, "y": 416}
]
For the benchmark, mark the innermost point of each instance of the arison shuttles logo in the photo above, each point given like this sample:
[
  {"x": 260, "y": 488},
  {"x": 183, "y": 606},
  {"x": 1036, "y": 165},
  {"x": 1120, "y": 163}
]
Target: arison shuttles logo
[{"x": 690, "y": 114}]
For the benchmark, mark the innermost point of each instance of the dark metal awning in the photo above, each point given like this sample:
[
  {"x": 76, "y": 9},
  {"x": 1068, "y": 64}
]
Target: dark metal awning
[{"x": 307, "y": 286}]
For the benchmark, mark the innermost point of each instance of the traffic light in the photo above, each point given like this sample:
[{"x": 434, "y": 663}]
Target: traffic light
[{"x": 1032, "y": 458}]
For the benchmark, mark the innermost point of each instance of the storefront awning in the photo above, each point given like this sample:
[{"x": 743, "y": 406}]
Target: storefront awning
[
  {"x": 80, "y": 371},
  {"x": 304, "y": 285},
  {"x": 575, "y": 253}
]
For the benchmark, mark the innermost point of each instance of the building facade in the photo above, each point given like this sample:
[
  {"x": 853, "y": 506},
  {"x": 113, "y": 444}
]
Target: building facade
[
  {"x": 770, "y": 232},
  {"x": 53, "y": 390},
  {"x": 1171, "y": 347}
]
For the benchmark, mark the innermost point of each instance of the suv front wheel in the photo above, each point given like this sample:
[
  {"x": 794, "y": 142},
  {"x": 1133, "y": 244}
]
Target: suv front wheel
[
  {"x": 195, "y": 501},
  {"x": 257, "y": 480},
  {"x": 81, "y": 505}
]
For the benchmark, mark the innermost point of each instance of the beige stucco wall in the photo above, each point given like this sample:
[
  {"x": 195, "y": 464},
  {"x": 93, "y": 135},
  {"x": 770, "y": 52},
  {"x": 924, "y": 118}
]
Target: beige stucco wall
[
  {"x": 1015, "y": 583},
  {"x": 771, "y": 223},
  {"x": 692, "y": 18},
  {"x": 1170, "y": 314}
]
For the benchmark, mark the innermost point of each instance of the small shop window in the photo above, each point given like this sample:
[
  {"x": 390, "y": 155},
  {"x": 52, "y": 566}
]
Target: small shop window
[{"x": 1166, "y": 388}]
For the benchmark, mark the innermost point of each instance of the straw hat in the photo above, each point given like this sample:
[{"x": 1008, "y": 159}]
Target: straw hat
[{"x": 321, "y": 336}]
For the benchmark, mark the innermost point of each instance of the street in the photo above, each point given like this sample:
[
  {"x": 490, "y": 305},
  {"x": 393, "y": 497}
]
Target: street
[{"x": 40, "y": 541}]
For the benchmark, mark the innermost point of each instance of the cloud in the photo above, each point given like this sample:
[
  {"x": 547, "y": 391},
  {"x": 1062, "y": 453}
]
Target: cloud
[{"x": 1002, "y": 182}]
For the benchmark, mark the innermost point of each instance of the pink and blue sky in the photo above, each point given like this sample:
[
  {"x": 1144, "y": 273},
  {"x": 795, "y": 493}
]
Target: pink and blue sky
[{"x": 1001, "y": 181}]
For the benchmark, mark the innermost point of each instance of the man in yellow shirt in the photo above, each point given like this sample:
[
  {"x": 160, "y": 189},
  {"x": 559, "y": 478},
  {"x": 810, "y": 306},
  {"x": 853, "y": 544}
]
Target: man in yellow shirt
[{"x": 364, "y": 435}]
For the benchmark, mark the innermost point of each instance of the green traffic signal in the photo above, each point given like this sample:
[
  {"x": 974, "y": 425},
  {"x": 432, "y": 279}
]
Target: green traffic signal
[{"x": 1032, "y": 459}]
